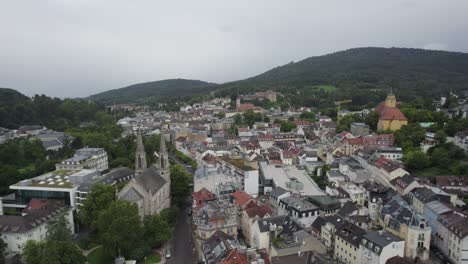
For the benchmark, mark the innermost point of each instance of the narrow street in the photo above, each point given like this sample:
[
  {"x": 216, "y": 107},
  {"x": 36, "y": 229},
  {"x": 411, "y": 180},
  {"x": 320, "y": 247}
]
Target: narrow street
[
  {"x": 181, "y": 163},
  {"x": 181, "y": 242}
]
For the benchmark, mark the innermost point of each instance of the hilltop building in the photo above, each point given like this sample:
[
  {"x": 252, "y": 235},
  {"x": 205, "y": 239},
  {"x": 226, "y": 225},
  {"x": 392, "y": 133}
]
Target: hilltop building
[{"x": 390, "y": 117}]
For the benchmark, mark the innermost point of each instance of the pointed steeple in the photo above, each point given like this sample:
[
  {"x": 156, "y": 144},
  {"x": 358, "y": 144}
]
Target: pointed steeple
[
  {"x": 163, "y": 159},
  {"x": 140, "y": 155},
  {"x": 162, "y": 146}
]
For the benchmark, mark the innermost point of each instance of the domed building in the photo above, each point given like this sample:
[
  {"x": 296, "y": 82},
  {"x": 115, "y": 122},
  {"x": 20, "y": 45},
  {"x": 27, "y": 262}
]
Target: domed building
[{"x": 390, "y": 117}]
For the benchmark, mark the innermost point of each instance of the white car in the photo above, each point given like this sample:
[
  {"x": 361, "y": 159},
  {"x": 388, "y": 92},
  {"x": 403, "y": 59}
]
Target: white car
[{"x": 168, "y": 253}]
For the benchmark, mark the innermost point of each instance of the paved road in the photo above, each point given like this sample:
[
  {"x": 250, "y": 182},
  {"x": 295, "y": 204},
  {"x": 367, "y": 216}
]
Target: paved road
[
  {"x": 181, "y": 243},
  {"x": 181, "y": 163}
]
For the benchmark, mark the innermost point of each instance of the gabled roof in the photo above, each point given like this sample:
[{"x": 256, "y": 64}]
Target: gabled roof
[
  {"x": 455, "y": 223},
  {"x": 216, "y": 247},
  {"x": 287, "y": 224},
  {"x": 376, "y": 241},
  {"x": 347, "y": 209},
  {"x": 241, "y": 197},
  {"x": 203, "y": 195},
  {"x": 131, "y": 195},
  {"x": 403, "y": 182},
  {"x": 150, "y": 180},
  {"x": 278, "y": 191},
  {"x": 259, "y": 210},
  {"x": 392, "y": 113},
  {"x": 386, "y": 164},
  {"x": 37, "y": 213},
  {"x": 351, "y": 233}
]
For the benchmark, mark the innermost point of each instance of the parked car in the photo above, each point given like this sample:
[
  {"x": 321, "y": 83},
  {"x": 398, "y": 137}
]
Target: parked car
[{"x": 168, "y": 253}]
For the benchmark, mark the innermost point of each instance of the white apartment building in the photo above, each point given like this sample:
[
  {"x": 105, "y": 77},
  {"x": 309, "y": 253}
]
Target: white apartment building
[
  {"x": 86, "y": 158},
  {"x": 244, "y": 172},
  {"x": 33, "y": 223},
  {"x": 378, "y": 247}
]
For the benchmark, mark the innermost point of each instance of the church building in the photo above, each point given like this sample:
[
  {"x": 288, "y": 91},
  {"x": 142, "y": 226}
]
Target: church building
[
  {"x": 390, "y": 117},
  {"x": 150, "y": 190}
]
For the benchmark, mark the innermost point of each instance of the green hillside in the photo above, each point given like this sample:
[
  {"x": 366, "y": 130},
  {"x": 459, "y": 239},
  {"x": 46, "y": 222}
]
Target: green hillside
[
  {"x": 364, "y": 74},
  {"x": 17, "y": 109},
  {"x": 155, "y": 91}
]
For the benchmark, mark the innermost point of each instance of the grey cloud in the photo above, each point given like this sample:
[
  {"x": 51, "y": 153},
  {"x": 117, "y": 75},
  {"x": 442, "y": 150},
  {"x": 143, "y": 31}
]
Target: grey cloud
[{"x": 73, "y": 48}]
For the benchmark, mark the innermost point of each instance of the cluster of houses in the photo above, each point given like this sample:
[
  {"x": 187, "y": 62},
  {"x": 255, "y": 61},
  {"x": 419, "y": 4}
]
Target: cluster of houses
[
  {"x": 313, "y": 195},
  {"x": 260, "y": 195},
  {"x": 35, "y": 203},
  {"x": 51, "y": 140}
]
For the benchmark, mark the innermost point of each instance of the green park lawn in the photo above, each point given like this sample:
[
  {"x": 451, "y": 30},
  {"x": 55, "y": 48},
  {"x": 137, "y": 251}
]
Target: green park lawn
[
  {"x": 326, "y": 88},
  {"x": 99, "y": 256},
  {"x": 151, "y": 259},
  {"x": 432, "y": 171}
]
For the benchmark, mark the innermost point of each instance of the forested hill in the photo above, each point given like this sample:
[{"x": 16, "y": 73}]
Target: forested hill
[
  {"x": 150, "y": 91},
  {"x": 17, "y": 109},
  {"x": 362, "y": 74}
]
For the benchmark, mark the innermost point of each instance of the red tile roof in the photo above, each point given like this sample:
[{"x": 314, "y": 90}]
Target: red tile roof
[
  {"x": 354, "y": 141},
  {"x": 389, "y": 113},
  {"x": 451, "y": 181},
  {"x": 202, "y": 196},
  {"x": 245, "y": 107},
  {"x": 259, "y": 210},
  {"x": 241, "y": 197},
  {"x": 234, "y": 256},
  {"x": 302, "y": 123},
  {"x": 386, "y": 164}
]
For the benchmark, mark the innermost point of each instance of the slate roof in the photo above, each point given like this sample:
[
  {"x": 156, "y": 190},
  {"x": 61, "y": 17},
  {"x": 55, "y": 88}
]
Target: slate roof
[
  {"x": 132, "y": 196},
  {"x": 36, "y": 213},
  {"x": 150, "y": 180},
  {"x": 351, "y": 233},
  {"x": 298, "y": 204},
  {"x": 426, "y": 195},
  {"x": 455, "y": 223},
  {"x": 216, "y": 247},
  {"x": 378, "y": 239},
  {"x": 318, "y": 223},
  {"x": 404, "y": 181},
  {"x": 347, "y": 209},
  {"x": 289, "y": 226},
  {"x": 116, "y": 174},
  {"x": 278, "y": 191},
  {"x": 400, "y": 213}
]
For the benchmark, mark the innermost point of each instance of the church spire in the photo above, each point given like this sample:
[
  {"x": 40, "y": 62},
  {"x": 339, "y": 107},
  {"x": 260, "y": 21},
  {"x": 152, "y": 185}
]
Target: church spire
[
  {"x": 140, "y": 155},
  {"x": 163, "y": 159}
]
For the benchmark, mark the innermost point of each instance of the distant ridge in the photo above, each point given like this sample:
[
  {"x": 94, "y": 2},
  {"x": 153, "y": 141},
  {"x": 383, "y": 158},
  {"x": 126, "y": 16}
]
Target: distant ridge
[
  {"x": 155, "y": 90},
  {"x": 354, "y": 72}
]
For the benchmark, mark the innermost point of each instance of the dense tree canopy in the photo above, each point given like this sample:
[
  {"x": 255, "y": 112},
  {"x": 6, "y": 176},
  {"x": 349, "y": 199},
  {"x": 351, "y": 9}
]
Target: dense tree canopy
[
  {"x": 180, "y": 184},
  {"x": 120, "y": 228},
  {"x": 98, "y": 199},
  {"x": 56, "y": 249}
]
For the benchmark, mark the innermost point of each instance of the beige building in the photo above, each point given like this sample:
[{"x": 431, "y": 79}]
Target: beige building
[
  {"x": 398, "y": 218},
  {"x": 390, "y": 117},
  {"x": 347, "y": 241}
]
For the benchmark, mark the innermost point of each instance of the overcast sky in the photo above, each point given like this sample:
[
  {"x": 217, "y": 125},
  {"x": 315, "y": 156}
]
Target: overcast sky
[{"x": 75, "y": 48}]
